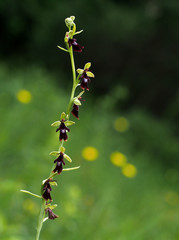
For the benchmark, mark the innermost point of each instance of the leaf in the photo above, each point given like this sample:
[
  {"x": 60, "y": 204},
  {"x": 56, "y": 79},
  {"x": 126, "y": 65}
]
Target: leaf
[{"x": 56, "y": 124}]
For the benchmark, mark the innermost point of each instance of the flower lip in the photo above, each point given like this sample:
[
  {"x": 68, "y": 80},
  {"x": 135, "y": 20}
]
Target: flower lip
[
  {"x": 59, "y": 163},
  {"x": 75, "y": 111},
  {"x": 51, "y": 214},
  {"x": 76, "y": 47},
  {"x": 63, "y": 130},
  {"x": 47, "y": 189}
]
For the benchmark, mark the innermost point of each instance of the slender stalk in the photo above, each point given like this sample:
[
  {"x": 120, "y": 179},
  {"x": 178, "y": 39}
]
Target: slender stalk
[
  {"x": 74, "y": 80},
  {"x": 42, "y": 211},
  {"x": 40, "y": 221}
]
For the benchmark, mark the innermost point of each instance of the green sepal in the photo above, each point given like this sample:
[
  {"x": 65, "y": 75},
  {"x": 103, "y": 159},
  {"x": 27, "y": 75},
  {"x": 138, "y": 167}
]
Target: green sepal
[
  {"x": 90, "y": 74},
  {"x": 63, "y": 115},
  {"x": 80, "y": 71},
  {"x": 54, "y": 153},
  {"x": 56, "y": 124},
  {"x": 77, "y": 101},
  {"x": 51, "y": 206},
  {"x": 54, "y": 183},
  {"x": 78, "y": 32},
  {"x": 69, "y": 123},
  {"x": 71, "y": 169},
  {"x": 87, "y": 65},
  {"x": 67, "y": 158}
]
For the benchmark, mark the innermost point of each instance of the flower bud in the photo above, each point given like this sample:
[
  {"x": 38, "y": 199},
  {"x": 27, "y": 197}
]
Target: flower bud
[{"x": 69, "y": 22}]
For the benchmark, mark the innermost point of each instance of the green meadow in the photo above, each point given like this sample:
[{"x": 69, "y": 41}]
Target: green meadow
[{"x": 127, "y": 185}]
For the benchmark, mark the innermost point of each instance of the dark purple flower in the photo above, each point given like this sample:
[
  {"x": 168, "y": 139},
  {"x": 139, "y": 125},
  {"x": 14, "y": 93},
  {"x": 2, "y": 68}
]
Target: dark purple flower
[
  {"x": 76, "y": 47},
  {"x": 59, "y": 166},
  {"x": 84, "y": 81},
  {"x": 63, "y": 129},
  {"x": 75, "y": 110},
  {"x": 51, "y": 215},
  {"x": 47, "y": 189}
]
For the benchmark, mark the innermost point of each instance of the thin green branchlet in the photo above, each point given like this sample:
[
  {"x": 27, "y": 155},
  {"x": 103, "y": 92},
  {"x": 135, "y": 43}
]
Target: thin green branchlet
[{"x": 82, "y": 80}]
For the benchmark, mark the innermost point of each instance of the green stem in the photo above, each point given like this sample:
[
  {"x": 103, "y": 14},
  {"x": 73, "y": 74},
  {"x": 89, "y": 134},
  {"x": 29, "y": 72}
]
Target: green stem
[
  {"x": 75, "y": 83},
  {"x": 41, "y": 218},
  {"x": 74, "y": 80}
]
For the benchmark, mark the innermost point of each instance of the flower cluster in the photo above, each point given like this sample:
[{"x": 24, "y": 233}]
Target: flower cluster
[{"x": 82, "y": 80}]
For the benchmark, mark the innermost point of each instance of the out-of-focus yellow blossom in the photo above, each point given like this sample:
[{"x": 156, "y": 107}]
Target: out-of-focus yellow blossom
[
  {"x": 30, "y": 206},
  {"x": 24, "y": 96},
  {"x": 172, "y": 198},
  {"x": 90, "y": 153},
  {"x": 129, "y": 170},
  {"x": 121, "y": 124},
  {"x": 118, "y": 159}
]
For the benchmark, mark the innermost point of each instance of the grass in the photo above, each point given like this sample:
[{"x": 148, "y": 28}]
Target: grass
[{"x": 97, "y": 201}]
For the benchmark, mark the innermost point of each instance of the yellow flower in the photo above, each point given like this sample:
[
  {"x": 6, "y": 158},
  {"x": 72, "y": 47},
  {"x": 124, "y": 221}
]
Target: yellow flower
[
  {"x": 118, "y": 159},
  {"x": 90, "y": 153},
  {"x": 129, "y": 170},
  {"x": 24, "y": 96},
  {"x": 121, "y": 124}
]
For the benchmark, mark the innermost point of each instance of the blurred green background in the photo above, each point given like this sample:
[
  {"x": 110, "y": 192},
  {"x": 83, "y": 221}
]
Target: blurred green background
[{"x": 126, "y": 141}]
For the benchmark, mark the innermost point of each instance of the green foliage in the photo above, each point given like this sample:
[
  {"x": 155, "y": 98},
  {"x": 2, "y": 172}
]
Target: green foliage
[
  {"x": 98, "y": 201},
  {"x": 134, "y": 41}
]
